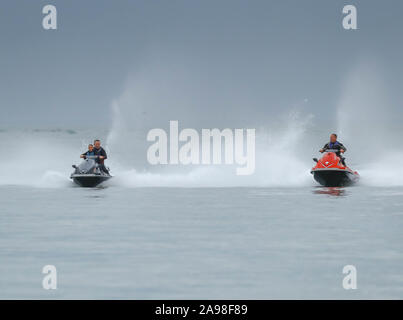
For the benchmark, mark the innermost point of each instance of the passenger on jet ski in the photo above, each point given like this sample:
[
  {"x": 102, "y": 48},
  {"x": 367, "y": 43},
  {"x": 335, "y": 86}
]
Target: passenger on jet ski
[
  {"x": 335, "y": 145},
  {"x": 90, "y": 152},
  {"x": 101, "y": 153}
]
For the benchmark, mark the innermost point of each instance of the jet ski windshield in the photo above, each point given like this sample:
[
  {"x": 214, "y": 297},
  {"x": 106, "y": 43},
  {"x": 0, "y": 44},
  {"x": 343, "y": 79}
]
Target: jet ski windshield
[{"x": 87, "y": 166}]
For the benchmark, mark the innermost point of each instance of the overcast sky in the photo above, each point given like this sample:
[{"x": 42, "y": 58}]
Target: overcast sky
[{"x": 231, "y": 62}]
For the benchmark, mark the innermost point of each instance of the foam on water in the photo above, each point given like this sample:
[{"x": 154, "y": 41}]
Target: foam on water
[
  {"x": 278, "y": 162},
  {"x": 39, "y": 158}
]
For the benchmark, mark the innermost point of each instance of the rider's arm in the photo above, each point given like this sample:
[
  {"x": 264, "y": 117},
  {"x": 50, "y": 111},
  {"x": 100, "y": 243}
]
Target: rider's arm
[
  {"x": 103, "y": 153},
  {"x": 325, "y": 147},
  {"x": 342, "y": 147}
]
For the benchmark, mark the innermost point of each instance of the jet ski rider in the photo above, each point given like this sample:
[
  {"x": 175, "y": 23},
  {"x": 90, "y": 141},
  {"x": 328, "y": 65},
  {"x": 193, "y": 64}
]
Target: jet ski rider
[
  {"x": 101, "y": 153},
  {"x": 334, "y": 144},
  {"x": 90, "y": 152}
]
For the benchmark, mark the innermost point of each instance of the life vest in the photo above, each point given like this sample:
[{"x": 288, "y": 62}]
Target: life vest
[{"x": 332, "y": 145}]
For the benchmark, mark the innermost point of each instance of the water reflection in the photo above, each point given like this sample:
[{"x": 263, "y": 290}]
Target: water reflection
[
  {"x": 95, "y": 193},
  {"x": 331, "y": 191}
]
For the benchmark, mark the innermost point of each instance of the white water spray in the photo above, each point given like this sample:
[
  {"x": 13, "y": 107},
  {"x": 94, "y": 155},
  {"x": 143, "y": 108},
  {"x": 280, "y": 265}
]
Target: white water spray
[{"x": 365, "y": 122}]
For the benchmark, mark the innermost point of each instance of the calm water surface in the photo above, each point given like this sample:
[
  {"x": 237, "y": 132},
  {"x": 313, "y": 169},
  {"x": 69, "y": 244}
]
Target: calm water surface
[{"x": 176, "y": 243}]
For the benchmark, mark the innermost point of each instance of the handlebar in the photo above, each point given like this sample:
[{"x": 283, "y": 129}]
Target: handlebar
[{"x": 332, "y": 150}]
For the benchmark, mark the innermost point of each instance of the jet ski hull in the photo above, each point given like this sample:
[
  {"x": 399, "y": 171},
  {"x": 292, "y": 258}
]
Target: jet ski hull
[
  {"x": 89, "y": 180},
  {"x": 334, "y": 177},
  {"x": 89, "y": 173},
  {"x": 330, "y": 171}
]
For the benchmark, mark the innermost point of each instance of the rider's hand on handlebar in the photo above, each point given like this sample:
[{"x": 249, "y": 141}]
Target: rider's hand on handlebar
[
  {"x": 342, "y": 151},
  {"x": 321, "y": 150}
]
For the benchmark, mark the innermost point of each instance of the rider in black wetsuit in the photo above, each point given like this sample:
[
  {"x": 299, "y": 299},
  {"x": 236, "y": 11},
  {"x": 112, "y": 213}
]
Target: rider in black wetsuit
[
  {"x": 101, "y": 153},
  {"x": 335, "y": 145}
]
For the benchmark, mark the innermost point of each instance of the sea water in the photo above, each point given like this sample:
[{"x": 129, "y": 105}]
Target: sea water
[{"x": 197, "y": 233}]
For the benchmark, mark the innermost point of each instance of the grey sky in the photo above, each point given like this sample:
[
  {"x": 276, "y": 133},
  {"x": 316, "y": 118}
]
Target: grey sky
[{"x": 230, "y": 62}]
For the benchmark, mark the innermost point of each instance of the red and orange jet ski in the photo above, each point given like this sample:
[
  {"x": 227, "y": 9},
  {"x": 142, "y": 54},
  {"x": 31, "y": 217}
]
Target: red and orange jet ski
[{"x": 329, "y": 171}]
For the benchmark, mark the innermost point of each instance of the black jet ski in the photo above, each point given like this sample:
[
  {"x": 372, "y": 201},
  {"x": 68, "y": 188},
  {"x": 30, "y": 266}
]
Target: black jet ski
[
  {"x": 329, "y": 171},
  {"x": 89, "y": 173}
]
